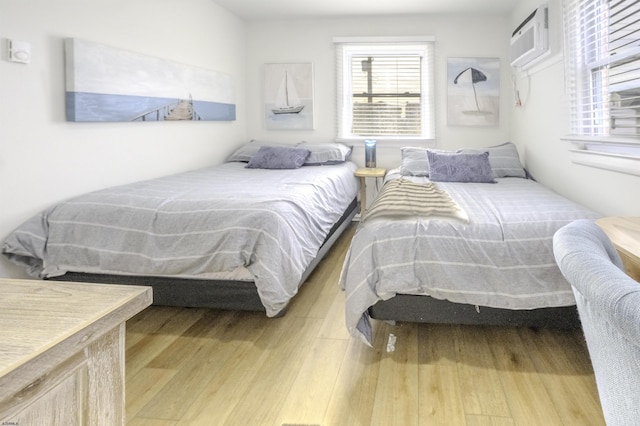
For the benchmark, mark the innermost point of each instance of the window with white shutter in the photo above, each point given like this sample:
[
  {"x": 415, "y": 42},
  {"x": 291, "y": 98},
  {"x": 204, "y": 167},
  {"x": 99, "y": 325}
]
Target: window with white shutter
[
  {"x": 385, "y": 89},
  {"x": 602, "y": 55}
]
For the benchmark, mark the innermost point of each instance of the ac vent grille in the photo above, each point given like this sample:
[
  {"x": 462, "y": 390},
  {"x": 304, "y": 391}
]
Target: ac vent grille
[{"x": 530, "y": 40}]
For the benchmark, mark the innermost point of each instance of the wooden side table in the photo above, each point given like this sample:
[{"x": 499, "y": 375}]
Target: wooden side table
[
  {"x": 624, "y": 233},
  {"x": 62, "y": 351},
  {"x": 363, "y": 173}
]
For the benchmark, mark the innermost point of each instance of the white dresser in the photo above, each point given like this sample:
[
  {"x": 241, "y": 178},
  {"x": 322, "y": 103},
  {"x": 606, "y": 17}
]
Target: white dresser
[{"x": 62, "y": 351}]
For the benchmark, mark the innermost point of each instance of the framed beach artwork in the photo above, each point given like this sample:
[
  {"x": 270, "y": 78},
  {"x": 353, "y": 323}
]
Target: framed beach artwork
[
  {"x": 288, "y": 96},
  {"x": 473, "y": 91},
  {"x": 104, "y": 83}
]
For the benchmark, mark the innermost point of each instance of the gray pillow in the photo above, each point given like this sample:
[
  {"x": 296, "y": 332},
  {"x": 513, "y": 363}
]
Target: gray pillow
[
  {"x": 460, "y": 167},
  {"x": 504, "y": 160},
  {"x": 326, "y": 153},
  {"x": 278, "y": 157},
  {"x": 414, "y": 161},
  {"x": 246, "y": 152}
]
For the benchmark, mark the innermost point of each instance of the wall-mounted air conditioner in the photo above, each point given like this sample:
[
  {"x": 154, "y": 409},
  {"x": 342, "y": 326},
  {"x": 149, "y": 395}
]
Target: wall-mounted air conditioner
[{"x": 530, "y": 40}]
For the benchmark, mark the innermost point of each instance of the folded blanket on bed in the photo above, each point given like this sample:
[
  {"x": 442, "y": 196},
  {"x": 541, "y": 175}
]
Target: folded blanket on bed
[{"x": 403, "y": 198}]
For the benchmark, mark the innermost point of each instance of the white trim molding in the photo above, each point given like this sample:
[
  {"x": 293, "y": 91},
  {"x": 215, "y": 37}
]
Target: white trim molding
[
  {"x": 616, "y": 154},
  {"x": 615, "y": 162},
  {"x": 384, "y": 39}
]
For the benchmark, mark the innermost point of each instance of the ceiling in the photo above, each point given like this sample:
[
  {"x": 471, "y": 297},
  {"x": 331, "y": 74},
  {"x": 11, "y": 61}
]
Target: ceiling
[{"x": 254, "y": 10}]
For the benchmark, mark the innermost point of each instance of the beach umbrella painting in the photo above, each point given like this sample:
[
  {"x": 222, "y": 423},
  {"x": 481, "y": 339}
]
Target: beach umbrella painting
[
  {"x": 473, "y": 91},
  {"x": 473, "y": 76}
]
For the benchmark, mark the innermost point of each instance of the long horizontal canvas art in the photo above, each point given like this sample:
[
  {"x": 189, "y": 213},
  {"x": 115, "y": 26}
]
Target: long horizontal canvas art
[{"x": 109, "y": 84}]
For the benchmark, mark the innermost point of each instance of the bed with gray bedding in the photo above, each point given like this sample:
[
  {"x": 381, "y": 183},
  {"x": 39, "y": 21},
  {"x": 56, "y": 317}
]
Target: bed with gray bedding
[
  {"x": 489, "y": 261},
  {"x": 259, "y": 229}
]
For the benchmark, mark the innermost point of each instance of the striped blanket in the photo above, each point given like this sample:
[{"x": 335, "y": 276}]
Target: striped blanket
[
  {"x": 404, "y": 198},
  {"x": 193, "y": 225},
  {"x": 502, "y": 257}
]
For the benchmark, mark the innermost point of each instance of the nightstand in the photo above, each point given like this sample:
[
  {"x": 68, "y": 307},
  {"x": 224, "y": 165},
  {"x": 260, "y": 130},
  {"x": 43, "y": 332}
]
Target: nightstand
[
  {"x": 363, "y": 173},
  {"x": 624, "y": 233}
]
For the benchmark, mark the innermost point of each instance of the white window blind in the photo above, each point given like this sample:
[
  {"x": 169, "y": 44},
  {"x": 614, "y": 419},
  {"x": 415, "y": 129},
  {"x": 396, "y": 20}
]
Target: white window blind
[
  {"x": 385, "y": 89},
  {"x": 624, "y": 69},
  {"x": 603, "y": 64}
]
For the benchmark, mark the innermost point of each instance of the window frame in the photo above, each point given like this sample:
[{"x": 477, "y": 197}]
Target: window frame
[
  {"x": 347, "y": 47},
  {"x": 587, "y": 61}
]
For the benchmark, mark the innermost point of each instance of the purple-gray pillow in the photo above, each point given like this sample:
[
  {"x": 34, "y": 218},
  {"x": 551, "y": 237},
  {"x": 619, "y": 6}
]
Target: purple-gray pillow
[
  {"x": 277, "y": 157},
  {"x": 460, "y": 167}
]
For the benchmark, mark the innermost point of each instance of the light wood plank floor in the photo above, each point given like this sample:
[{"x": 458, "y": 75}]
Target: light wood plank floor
[{"x": 206, "y": 367}]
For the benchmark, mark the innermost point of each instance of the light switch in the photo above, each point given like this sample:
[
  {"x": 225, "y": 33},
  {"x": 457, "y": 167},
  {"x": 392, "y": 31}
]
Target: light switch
[{"x": 19, "y": 51}]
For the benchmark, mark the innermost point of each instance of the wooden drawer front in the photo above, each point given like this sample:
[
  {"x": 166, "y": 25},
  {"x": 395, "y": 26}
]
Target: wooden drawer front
[{"x": 56, "y": 398}]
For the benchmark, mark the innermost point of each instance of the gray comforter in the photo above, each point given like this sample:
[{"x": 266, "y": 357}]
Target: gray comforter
[
  {"x": 501, "y": 258},
  {"x": 193, "y": 224}
]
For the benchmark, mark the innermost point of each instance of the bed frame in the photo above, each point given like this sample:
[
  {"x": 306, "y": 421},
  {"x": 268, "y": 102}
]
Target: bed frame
[
  {"x": 215, "y": 294},
  {"x": 425, "y": 309}
]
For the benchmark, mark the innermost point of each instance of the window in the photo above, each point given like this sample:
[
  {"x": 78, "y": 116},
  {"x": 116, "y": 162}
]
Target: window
[
  {"x": 385, "y": 88},
  {"x": 602, "y": 56}
]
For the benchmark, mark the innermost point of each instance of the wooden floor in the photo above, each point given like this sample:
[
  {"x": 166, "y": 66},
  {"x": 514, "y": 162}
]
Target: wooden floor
[{"x": 198, "y": 366}]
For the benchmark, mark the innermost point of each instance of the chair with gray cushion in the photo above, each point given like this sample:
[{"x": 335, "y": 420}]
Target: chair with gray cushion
[{"x": 609, "y": 306}]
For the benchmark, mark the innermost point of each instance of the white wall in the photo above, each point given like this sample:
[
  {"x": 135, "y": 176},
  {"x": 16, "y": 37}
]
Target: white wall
[
  {"x": 536, "y": 127},
  {"x": 544, "y": 118},
  {"x": 44, "y": 159},
  {"x": 311, "y": 41}
]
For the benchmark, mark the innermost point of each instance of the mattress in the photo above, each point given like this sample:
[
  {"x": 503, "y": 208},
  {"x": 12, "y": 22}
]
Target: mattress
[
  {"x": 194, "y": 225},
  {"x": 501, "y": 257}
]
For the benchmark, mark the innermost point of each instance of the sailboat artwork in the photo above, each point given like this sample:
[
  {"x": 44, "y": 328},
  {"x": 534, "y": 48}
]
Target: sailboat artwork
[
  {"x": 473, "y": 91},
  {"x": 288, "y": 95},
  {"x": 287, "y": 101}
]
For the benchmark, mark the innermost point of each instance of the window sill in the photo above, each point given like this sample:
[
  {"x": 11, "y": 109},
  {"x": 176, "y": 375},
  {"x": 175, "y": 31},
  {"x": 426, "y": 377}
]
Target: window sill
[
  {"x": 617, "y": 154},
  {"x": 618, "y": 163},
  {"x": 602, "y": 140},
  {"x": 604, "y": 160},
  {"x": 390, "y": 142}
]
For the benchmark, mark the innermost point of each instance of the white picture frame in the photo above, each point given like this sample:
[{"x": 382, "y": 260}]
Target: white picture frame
[
  {"x": 288, "y": 96},
  {"x": 105, "y": 83},
  {"x": 473, "y": 92}
]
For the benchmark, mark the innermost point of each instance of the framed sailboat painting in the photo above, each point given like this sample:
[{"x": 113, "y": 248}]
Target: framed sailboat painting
[{"x": 288, "y": 96}]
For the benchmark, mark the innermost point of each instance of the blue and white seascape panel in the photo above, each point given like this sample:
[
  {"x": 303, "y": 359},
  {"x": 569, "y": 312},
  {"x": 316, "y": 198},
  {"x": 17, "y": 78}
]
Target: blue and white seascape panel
[{"x": 109, "y": 84}]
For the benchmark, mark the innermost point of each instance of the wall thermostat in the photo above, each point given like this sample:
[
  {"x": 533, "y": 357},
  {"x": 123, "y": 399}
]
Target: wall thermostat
[{"x": 19, "y": 51}]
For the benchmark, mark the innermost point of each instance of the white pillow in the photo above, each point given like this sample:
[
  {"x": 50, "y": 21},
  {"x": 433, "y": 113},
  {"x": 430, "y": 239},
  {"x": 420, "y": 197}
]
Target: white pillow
[
  {"x": 246, "y": 152},
  {"x": 414, "y": 161},
  {"x": 504, "y": 160},
  {"x": 326, "y": 153}
]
